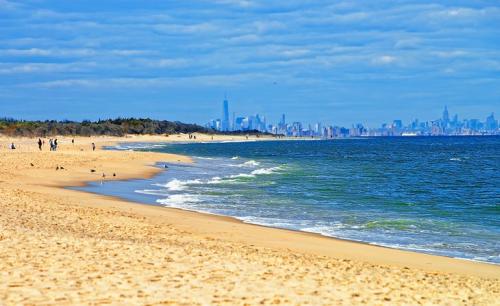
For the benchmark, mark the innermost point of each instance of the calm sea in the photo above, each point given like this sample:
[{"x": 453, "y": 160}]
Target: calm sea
[{"x": 435, "y": 195}]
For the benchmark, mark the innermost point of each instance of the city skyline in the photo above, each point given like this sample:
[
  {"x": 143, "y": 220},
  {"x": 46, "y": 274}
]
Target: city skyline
[
  {"x": 444, "y": 125},
  {"x": 318, "y": 60}
]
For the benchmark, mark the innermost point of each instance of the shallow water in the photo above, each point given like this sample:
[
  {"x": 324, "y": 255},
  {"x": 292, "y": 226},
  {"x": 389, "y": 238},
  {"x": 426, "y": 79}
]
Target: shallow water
[{"x": 438, "y": 195}]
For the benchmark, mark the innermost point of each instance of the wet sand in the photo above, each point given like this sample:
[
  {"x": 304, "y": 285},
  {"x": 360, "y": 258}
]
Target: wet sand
[{"x": 60, "y": 246}]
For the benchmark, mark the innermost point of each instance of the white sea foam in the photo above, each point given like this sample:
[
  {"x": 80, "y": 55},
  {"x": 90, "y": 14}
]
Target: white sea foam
[
  {"x": 273, "y": 222},
  {"x": 235, "y": 157},
  {"x": 254, "y": 173},
  {"x": 241, "y": 175},
  {"x": 204, "y": 158},
  {"x": 151, "y": 192},
  {"x": 455, "y": 159},
  {"x": 265, "y": 171},
  {"x": 251, "y": 163},
  {"x": 178, "y": 200},
  {"x": 247, "y": 164},
  {"x": 178, "y": 185},
  {"x": 214, "y": 180}
]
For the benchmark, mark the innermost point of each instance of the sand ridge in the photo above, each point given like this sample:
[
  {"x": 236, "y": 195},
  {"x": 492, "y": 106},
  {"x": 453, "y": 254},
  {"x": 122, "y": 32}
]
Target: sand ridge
[{"x": 60, "y": 246}]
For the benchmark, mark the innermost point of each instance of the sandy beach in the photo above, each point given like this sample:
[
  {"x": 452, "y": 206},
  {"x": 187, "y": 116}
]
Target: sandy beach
[{"x": 59, "y": 246}]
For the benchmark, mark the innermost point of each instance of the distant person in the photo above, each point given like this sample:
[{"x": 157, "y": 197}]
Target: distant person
[
  {"x": 55, "y": 144},
  {"x": 40, "y": 143},
  {"x": 51, "y": 144},
  {"x": 93, "y": 146},
  {"x": 73, "y": 141},
  {"x": 12, "y": 146}
]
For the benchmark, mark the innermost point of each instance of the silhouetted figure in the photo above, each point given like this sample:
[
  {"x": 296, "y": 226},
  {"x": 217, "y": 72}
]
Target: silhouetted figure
[
  {"x": 55, "y": 144},
  {"x": 93, "y": 146},
  {"x": 40, "y": 143},
  {"x": 12, "y": 146},
  {"x": 73, "y": 141},
  {"x": 51, "y": 144}
]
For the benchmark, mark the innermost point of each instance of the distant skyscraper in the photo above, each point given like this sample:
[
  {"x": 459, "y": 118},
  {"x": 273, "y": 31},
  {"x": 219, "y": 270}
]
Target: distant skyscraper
[
  {"x": 446, "y": 117},
  {"x": 225, "y": 116},
  {"x": 491, "y": 123}
]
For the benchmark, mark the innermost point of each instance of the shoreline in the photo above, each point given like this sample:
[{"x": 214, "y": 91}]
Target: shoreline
[
  {"x": 270, "y": 226},
  {"x": 236, "y": 220},
  {"x": 117, "y": 250},
  {"x": 226, "y": 218}
]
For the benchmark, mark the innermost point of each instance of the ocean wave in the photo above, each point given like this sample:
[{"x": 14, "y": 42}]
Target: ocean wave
[
  {"x": 178, "y": 200},
  {"x": 204, "y": 158},
  {"x": 178, "y": 185},
  {"x": 265, "y": 171},
  {"x": 272, "y": 222},
  {"x": 235, "y": 157},
  {"x": 151, "y": 192},
  {"x": 254, "y": 173},
  {"x": 249, "y": 164},
  {"x": 245, "y": 175}
]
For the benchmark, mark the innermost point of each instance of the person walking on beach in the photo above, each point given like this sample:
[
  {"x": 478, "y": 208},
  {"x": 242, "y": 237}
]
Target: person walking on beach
[
  {"x": 40, "y": 143},
  {"x": 12, "y": 146},
  {"x": 73, "y": 141},
  {"x": 93, "y": 146},
  {"x": 55, "y": 144},
  {"x": 51, "y": 144}
]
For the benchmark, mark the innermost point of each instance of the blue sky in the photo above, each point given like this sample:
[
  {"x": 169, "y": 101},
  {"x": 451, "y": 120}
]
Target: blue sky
[{"x": 335, "y": 62}]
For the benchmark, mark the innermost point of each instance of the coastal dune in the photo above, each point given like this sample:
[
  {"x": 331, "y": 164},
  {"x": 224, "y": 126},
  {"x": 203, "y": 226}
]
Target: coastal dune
[{"x": 61, "y": 246}]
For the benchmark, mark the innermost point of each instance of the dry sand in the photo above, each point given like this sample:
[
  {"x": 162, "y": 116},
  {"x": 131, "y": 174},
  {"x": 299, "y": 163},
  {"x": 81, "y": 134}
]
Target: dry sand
[{"x": 59, "y": 246}]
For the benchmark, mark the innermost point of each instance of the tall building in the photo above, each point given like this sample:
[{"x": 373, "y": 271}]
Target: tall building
[
  {"x": 225, "y": 116},
  {"x": 446, "y": 117},
  {"x": 491, "y": 124}
]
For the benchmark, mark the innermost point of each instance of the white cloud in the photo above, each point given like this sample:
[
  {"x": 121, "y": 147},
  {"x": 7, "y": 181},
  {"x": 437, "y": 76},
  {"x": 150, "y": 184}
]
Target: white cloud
[
  {"x": 450, "y": 53},
  {"x": 197, "y": 28},
  {"x": 384, "y": 60},
  {"x": 29, "y": 68},
  {"x": 164, "y": 62},
  {"x": 201, "y": 80},
  {"x": 76, "y": 52},
  {"x": 239, "y": 3},
  {"x": 8, "y": 5}
]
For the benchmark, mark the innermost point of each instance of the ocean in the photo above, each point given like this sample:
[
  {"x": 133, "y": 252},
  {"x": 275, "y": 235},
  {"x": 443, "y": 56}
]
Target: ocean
[{"x": 437, "y": 195}]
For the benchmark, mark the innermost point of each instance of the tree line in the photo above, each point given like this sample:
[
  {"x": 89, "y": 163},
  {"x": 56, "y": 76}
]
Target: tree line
[{"x": 109, "y": 127}]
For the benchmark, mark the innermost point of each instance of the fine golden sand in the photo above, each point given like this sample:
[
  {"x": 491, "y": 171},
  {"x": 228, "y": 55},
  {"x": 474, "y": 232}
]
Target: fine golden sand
[{"x": 59, "y": 246}]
